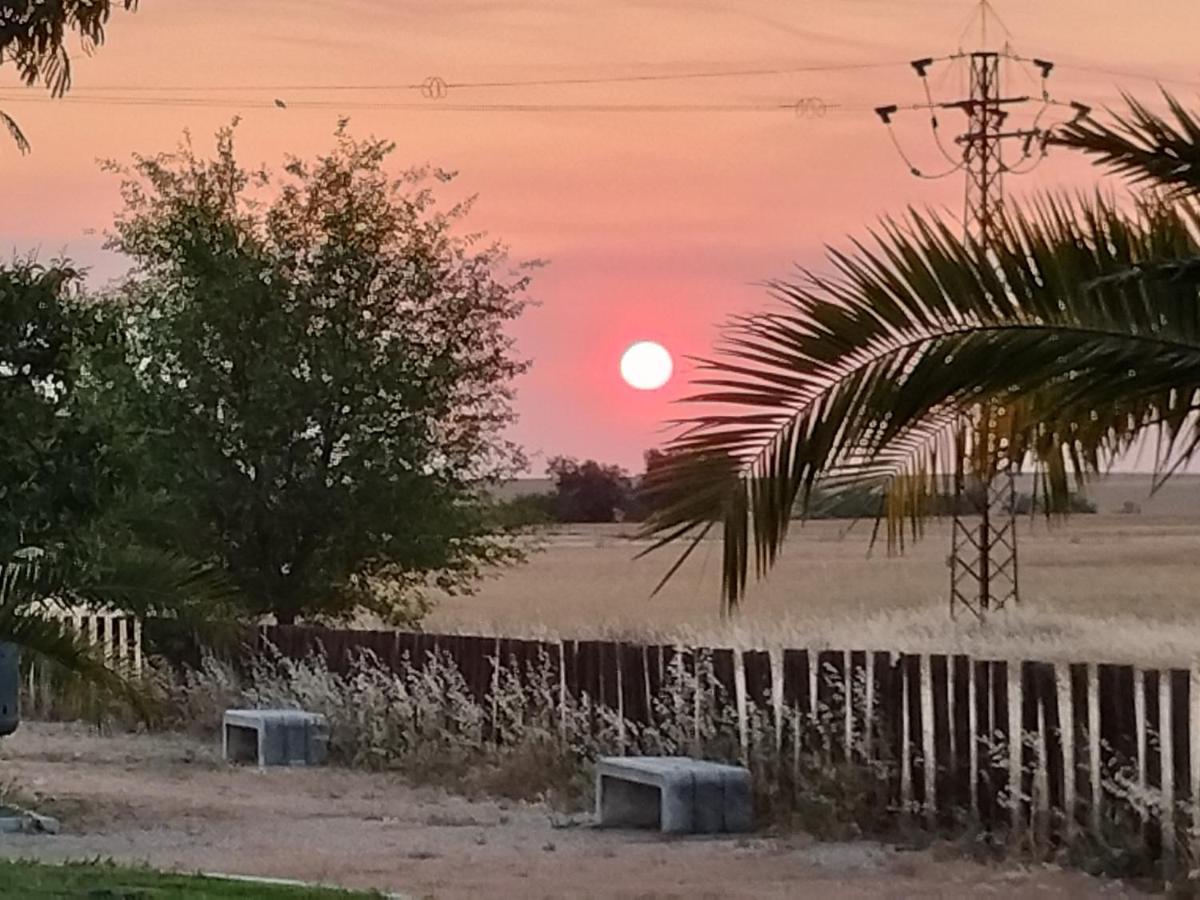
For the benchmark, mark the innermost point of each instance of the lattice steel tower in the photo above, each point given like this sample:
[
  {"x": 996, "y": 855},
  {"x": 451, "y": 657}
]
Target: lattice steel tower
[{"x": 983, "y": 543}]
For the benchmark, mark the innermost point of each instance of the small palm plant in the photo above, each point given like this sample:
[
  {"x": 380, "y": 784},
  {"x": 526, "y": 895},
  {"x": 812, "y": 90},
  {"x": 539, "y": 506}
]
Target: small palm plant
[
  {"x": 37, "y": 593},
  {"x": 1069, "y": 338}
]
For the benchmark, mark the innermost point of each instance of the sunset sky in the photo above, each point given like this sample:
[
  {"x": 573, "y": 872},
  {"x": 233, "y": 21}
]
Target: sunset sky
[{"x": 656, "y": 224}]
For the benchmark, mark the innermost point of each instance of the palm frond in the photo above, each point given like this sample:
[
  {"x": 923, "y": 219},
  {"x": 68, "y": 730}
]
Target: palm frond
[
  {"x": 37, "y": 594},
  {"x": 864, "y": 376},
  {"x": 27, "y": 620},
  {"x": 148, "y": 582},
  {"x": 15, "y": 132},
  {"x": 33, "y": 35},
  {"x": 1180, "y": 271},
  {"x": 1147, "y": 148}
]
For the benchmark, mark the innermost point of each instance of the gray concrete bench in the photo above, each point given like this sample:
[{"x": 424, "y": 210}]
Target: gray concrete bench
[
  {"x": 674, "y": 794},
  {"x": 274, "y": 737}
]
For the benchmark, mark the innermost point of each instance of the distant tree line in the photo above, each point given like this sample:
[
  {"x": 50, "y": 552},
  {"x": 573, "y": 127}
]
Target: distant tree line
[
  {"x": 594, "y": 492},
  {"x": 860, "y": 502}
]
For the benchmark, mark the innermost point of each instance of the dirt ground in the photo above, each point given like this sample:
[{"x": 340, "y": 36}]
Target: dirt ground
[{"x": 171, "y": 802}]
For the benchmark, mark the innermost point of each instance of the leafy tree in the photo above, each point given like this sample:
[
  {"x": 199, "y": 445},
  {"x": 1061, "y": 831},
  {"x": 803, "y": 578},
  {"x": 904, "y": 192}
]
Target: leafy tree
[
  {"x": 589, "y": 491},
  {"x": 321, "y": 363},
  {"x": 33, "y": 35},
  {"x": 65, "y": 469},
  {"x": 1072, "y": 335},
  {"x": 62, "y": 466}
]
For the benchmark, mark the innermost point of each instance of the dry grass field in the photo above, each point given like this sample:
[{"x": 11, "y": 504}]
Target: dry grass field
[{"x": 1105, "y": 587}]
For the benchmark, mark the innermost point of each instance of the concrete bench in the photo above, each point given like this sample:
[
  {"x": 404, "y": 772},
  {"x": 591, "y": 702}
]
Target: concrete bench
[
  {"x": 675, "y": 794},
  {"x": 274, "y": 737}
]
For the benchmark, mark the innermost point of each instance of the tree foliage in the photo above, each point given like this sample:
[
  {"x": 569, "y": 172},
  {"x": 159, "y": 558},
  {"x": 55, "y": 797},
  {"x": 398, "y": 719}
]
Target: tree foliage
[
  {"x": 589, "y": 491},
  {"x": 62, "y": 466},
  {"x": 319, "y": 358},
  {"x": 1059, "y": 345}
]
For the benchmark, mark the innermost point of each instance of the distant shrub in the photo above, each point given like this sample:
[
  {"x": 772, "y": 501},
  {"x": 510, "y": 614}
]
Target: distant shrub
[
  {"x": 525, "y": 511},
  {"x": 849, "y": 504},
  {"x": 864, "y": 503},
  {"x": 1077, "y": 504}
]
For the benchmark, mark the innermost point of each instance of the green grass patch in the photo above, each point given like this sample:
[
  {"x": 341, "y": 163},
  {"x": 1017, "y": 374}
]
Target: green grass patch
[{"x": 20, "y": 878}]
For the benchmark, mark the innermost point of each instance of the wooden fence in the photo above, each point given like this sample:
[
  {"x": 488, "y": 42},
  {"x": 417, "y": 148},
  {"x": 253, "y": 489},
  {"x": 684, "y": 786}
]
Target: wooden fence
[{"x": 1023, "y": 747}]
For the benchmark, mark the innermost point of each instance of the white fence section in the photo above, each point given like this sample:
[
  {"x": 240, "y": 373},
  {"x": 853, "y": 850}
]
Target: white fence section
[{"x": 118, "y": 635}]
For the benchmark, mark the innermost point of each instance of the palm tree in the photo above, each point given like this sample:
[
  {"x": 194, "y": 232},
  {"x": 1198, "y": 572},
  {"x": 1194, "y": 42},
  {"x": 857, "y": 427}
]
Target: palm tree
[
  {"x": 36, "y": 591},
  {"x": 1073, "y": 335},
  {"x": 33, "y": 37}
]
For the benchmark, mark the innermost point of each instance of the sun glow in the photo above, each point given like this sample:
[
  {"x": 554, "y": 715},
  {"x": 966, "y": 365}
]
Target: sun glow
[{"x": 646, "y": 366}]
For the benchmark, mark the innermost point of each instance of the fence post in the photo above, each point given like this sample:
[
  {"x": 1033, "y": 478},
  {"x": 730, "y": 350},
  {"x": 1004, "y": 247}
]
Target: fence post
[
  {"x": 928, "y": 747},
  {"x": 496, "y": 695},
  {"x": 562, "y": 692},
  {"x": 1166, "y": 744},
  {"x": 1066, "y": 728},
  {"x": 795, "y": 747},
  {"x": 620, "y": 698},
  {"x": 814, "y": 665},
  {"x": 905, "y": 738},
  {"x": 1139, "y": 724},
  {"x": 1016, "y": 741},
  {"x": 848, "y": 702},
  {"x": 1093, "y": 687},
  {"x": 1041, "y": 777},
  {"x": 697, "y": 703},
  {"x": 1194, "y": 753},
  {"x": 123, "y": 643},
  {"x": 649, "y": 692},
  {"x": 776, "y": 656},
  {"x": 951, "y": 723},
  {"x": 869, "y": 707},
  {"x": 739, "y": 694},
  {"x": 973, "y": 742}
]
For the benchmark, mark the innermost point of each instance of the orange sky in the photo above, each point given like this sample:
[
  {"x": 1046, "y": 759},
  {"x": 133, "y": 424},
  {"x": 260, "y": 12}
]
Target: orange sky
[{"x": 655, "y": 224}]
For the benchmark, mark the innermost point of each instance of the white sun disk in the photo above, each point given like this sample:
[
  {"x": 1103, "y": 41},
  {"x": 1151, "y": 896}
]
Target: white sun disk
[{"x": 646, "y": 366}]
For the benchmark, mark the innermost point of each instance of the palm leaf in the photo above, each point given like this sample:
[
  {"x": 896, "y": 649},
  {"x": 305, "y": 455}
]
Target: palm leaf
[
  {"x": 864, "y": 377},
  {"x": 38, "y": 595},
  {"x": 33, "y": 35},
  {"x": 148, "y": 582},
  {"x": 1147, "y": 148},
  {"x": 28, "y": 592},
  {"x": 15, "y": 132}
]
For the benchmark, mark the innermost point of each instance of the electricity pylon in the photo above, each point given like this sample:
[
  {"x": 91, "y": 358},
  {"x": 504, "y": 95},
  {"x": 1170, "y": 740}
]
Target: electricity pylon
[{"x": 983, "y": 543}]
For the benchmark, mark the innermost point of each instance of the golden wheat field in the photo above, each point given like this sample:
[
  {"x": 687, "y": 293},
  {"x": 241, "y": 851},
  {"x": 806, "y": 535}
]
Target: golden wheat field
[{"x": 1105, "y": 587}]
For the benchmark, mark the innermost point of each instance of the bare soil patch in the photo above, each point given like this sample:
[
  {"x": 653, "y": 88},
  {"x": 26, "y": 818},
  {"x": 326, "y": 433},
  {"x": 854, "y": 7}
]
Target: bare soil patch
[{"x": 169, "y": 801}]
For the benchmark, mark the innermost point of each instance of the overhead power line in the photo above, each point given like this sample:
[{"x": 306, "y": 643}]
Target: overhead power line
[
  {"x": 1129, "y": 73},
  {"x": 436, "y": 93},
  {"x": 504, "y": 83},
  {"x": 439, "y": 86},
  {"x": 804, "y": 107}
]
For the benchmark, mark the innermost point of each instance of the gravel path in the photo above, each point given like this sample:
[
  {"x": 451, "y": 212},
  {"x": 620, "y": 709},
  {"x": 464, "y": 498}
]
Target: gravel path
[{"x": 169, "y": 801}]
